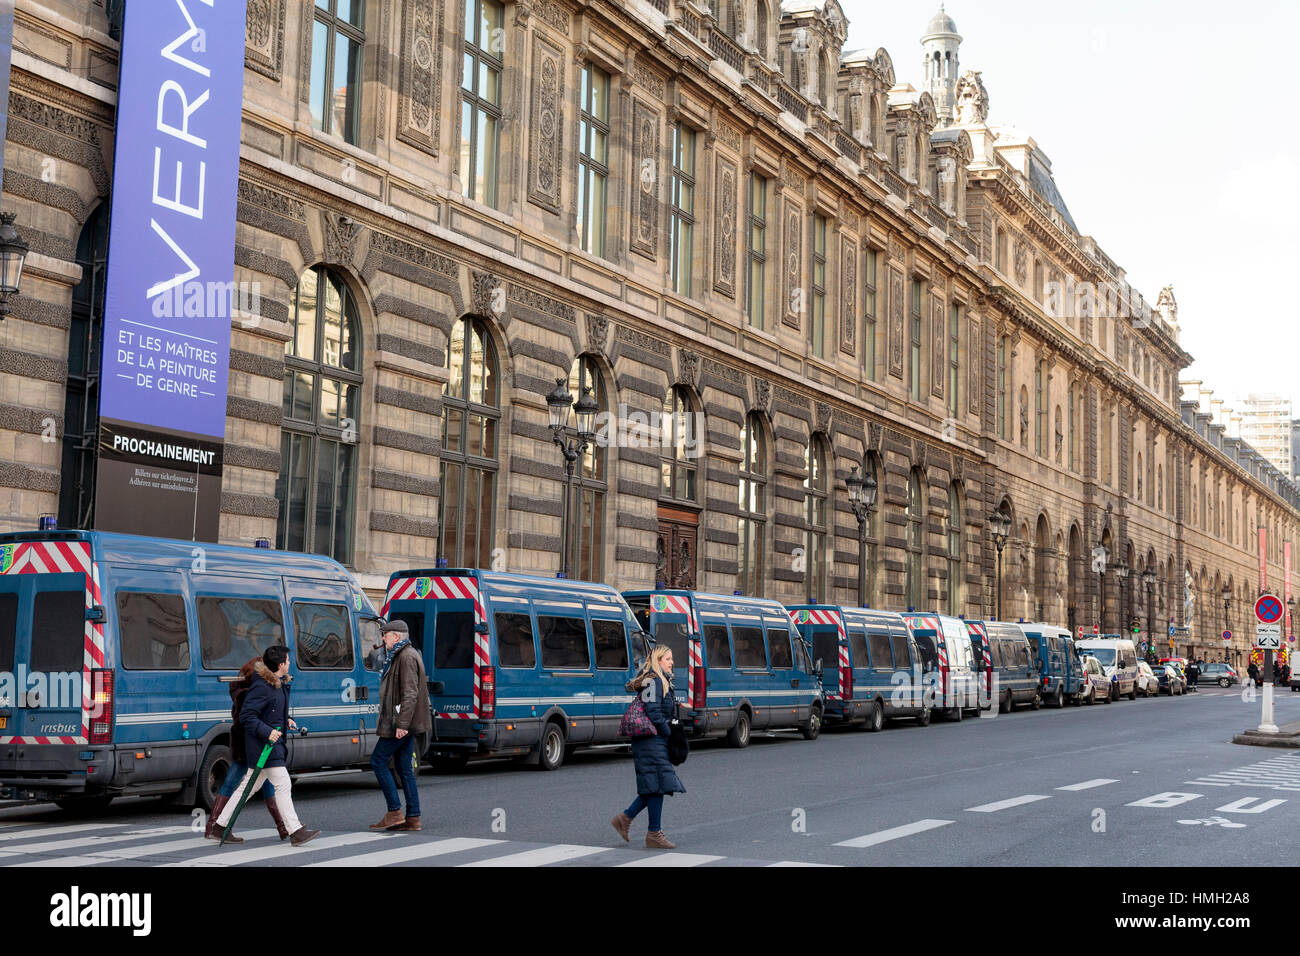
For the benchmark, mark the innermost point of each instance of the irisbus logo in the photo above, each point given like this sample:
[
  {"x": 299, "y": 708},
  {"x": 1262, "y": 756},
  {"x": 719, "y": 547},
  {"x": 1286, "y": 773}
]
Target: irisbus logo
[{"x": 423, "y": 586}]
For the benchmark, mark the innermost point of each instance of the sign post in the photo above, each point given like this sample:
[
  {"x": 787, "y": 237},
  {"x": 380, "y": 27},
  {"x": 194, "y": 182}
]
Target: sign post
[{"x": 1268, "y": 638}]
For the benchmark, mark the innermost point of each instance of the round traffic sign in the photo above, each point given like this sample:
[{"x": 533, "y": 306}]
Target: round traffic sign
[
  {"x": 1268, "y": 609},
  {"x": 1227, "y": 635}
]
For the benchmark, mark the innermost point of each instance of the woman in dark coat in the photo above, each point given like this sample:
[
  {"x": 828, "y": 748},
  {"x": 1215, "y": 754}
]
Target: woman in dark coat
[
  {"x": 239, "y": 762},
  {"x": 655, "y": 775}
]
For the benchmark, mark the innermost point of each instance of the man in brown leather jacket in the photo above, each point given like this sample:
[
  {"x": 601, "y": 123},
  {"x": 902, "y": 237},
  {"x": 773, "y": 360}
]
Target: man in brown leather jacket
[{"x": 404, "y": 716}]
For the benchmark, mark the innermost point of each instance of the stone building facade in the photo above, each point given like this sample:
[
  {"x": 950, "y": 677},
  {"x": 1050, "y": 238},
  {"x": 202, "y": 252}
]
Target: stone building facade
[{"x": 777, "y": 254}]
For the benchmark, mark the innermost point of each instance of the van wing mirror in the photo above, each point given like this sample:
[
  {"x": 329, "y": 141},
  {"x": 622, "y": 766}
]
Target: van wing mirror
[
  {"x": 481, "y": 627},
  {"x": 95, "y": 614}
]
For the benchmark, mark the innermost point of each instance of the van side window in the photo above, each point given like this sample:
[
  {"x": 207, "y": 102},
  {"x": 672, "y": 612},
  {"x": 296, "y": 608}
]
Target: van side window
[
  {"x": 749, "y": 647},
  {"x": 515, "y": 640},
  {"x": 234, "y": 629},
  {"x": 1056, "y": 645},
  {"x": 881, "y": 656},
  {"x": 611, "y": 644},
  {"x": 674, "y": 634},
  {"x": 858, "y": 646},
  {"x": 8, "y": 630},
  {"x": 779, "y": 642},
  {"x": 716, "y": 645},
  {"x": 902, "y": 652},
  {"x": 59, "y": 632},
  {"x": 323, "y": 633},
  {"x": 152, "y": 630},
  {"x": 453, "y": 640},
  {"x": 564, "y": 642},
  {"x": 801, "y": 661},
  {"x": 826, "y": 648},
  {"x": 372, "y": 644}
]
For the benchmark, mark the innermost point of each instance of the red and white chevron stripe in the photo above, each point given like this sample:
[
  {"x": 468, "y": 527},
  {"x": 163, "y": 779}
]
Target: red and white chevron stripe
[
  {"x": 66, "y": 557},
  {"x": 447, "y": 587},
  {"x": 831, "y": 616},
  {"x": 696, "y": 660},
  {"x": 979, "y": 630},
  {"x": 678, "y": 604}
]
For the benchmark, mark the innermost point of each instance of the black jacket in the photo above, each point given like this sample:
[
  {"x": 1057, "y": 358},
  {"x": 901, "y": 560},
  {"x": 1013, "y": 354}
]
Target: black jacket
[{"x": 266, "y": 708}]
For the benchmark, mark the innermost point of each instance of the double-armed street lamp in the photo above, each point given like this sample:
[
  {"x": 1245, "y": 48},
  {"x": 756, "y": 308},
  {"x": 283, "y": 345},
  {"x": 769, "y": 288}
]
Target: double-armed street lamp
[
  {"x": 862, "y": 498},
  {"x": 1149, "y": 582},
  {"x": 13, "y": 253},
  {"x": 573, "y": 447},
  {"x": 1121, "y": 572},
  {"x": 999, "y": 527}
]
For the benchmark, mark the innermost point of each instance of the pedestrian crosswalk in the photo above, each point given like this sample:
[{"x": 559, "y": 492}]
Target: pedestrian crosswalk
[
  {"x": 1276, "y": 773},
  {"x": 109, "y": 844}
]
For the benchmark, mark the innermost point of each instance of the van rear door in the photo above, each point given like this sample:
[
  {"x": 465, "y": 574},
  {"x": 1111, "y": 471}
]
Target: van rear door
[
  {"x": 821, "y": 629},
  {"x": 442, "y": 610},
  {"x": 669, "y": 619}
]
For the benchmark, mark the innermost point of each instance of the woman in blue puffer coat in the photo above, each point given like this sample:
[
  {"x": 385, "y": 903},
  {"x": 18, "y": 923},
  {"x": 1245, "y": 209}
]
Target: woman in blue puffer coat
[{"x": 655, "y": 775}]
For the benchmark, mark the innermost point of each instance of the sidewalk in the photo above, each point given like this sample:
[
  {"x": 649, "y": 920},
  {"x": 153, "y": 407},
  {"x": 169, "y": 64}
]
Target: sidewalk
[{"x": 1288, "y": 735}]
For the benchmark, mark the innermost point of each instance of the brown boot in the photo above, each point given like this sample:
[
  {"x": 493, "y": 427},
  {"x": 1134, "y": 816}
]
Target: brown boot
[
  {"x": 655, "y": 840},
  {"x": 302, "y": 835},
  {"x": 212, "y": 830},
  {"x": 273, "y": 809},
  {"x": 622, "y": 823},
  {"x": 391, "y": 819},
  {"x": 410, "y": 823}
]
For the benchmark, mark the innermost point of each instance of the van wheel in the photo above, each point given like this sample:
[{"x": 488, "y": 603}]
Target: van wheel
[
  {"x": 550, "y": 751},
  {"x": 1004, "y": 705},
  {"x": 212, "y": 774},
  {"x": 923, "y": 720},
  {"x": 738, "y": 735},
  {"x": 1060, "y": 698},
  {"x": 811, "y": 729},
  {"x": 1133, "y": 694},
  {"x": 1037, "y": 701},
  {"x": 876, "y": 722},
  {"x": 955, "y": 714}
]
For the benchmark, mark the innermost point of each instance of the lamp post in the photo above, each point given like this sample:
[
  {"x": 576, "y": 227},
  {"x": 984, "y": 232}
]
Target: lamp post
[
  {"x": 13, "y": 253},
  {"x": 1099, "y": 566},
  {"x": 572, "y": 447},
  {"x": 1149, "y": 582},
  {"x": 999, "y": 528},
  {"x": 862, "y": 498},
  {"x": 1226, "y": 595},
  {"x": 1121, "y": 572}
]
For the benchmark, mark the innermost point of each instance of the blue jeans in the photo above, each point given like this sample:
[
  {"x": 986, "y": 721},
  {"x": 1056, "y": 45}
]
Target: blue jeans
[
  {"x": 656, "y": 804},
  {"x": 236, "y": 774},
  {"x": 404, "y": 751}
]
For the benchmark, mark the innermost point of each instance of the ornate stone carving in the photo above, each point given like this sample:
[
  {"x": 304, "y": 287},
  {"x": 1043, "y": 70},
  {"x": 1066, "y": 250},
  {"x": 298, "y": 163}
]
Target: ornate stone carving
[
  {"x": 597, "y": 332},
  {"x": 848, "y": 296},
  {"x": 688, "y": 367},
  {"x": 724, "y": 245},
  {"x": 938, "y": 350},
  {"x": 919, "y": 452},
  {"x": 792, "y": 178},
  {"x": 763, "y": 395},
  {"x": 793, "y": 305},
  {"x": 875, "y": 437},
  {"x": 553, "y": 14},
  {"x": 975, "y": 350},
  {"x": 546, "y": 142},
  {"x": 651, "y": 80},
  {"x": 896, "y": 309},
  {"x": 958, "y": 468},
  {"x": 485, "y": 294},
  {"x": 264, "y": 37},
  {"x": 340, "y": 235},
  {"x": 645, "y": 206},
  {"x": 822, "y": 417},
  {"x": 729, "y": 136},
  {"x": 418, "y": 109},
  {"x": 972, "y": 99},
  {"x": 1022, "y": 260}
]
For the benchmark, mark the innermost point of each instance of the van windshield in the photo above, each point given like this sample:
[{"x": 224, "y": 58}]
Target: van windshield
[{"x": 1105, "y": 655}]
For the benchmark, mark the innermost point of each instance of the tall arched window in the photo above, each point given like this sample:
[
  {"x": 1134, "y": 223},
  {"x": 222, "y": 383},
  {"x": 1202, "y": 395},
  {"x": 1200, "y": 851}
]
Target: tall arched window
[
  {"x": 956, "y": 588},
  {"x": 752, "y": 504},
  {"x": 760, "y": 32},
  {"x": 680, "y": 437},
  {"x": 915, "y": 587},
  {"x": 322, "y": 395},
  {"x": 588, "y": 554},
  {"x": 471, "y": 410},
  {"x": 815, "y": 513}
]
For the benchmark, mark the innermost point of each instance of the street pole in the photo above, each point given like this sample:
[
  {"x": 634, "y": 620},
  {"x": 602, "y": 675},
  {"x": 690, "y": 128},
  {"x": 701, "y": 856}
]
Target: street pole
[
  {"x": 1101, "y": 589},
  {"x": 862, "y": 560},
  {"x": 999, "y": 581}
]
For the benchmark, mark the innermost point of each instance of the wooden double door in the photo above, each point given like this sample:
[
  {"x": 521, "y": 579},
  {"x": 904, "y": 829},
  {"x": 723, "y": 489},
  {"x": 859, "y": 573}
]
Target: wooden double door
[{"x": 675, "y": 551}]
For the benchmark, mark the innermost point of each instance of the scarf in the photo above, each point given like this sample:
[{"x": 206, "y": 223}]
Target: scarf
[{"x": 388, "y": 656}]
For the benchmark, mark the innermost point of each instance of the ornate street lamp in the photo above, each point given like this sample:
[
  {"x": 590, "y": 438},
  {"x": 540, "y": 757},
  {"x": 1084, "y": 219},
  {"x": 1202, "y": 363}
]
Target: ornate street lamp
[
  {"x": 573, "y": 448},
  {"x": 862, "y": 499},
  {"x": 1099, "y": 557},
  {"x": 1149, "y": 582},
  {"x": 13, "y": 253},
  {"x": 999, "y": 527},
  {"x": 1226, "y": 595},
  {"x": 1121, "y": 572}
]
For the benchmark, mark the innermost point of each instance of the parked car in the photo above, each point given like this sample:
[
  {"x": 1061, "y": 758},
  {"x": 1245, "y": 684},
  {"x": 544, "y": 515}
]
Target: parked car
[
  {"x": 1096, "y": 686},
  {"x": 1059, "y": 668},
  {"x": 1148, "y": 683},
  {"x": 1172, "y": 681},
  {"x": 871, "y": 670},
  {"x": 1225, "y": 675}
]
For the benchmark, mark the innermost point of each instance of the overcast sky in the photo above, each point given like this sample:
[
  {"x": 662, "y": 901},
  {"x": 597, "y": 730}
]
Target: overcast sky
[{"x": 1173, "y": 137}]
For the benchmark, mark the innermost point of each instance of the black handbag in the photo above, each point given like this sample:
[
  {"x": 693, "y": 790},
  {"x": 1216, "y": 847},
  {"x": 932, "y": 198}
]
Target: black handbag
[{"x": 679, "y": 747}]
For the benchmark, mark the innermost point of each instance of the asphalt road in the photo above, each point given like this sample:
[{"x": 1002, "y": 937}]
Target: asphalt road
[{"x": 1151, "y": 782}]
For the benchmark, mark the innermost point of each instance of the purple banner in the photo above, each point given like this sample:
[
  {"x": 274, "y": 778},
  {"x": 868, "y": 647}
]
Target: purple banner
[{"x": 169, "y": 296}]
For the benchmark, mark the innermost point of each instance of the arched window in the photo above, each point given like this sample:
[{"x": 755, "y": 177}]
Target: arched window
[
  {"x": 752, "y": 505},
  {"x": 588, "y": 555},
  {"x": 322, "y": 398},
  {"x": 815, "y": 513},
  {"x": 914, "y": 585},
  {"x": 823, "y": 69},
  {"x": 471, "y": 411},
  {"x": 760, "y": 33},
  {"x": 680, "y": 438},
  {"x": 956, "y": 589}
]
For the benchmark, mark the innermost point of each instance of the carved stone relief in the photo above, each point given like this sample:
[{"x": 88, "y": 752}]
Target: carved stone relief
[
  {"x": 546, "y": 142},
  {"x": 264, "y": 37},
  {"x": 724, "y": 253},
  {"x": 645, "y": 206},
  {"x": 418, "y": 112}
]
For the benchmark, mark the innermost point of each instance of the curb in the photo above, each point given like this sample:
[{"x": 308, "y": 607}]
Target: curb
[{"x": 1288, "y": 735}]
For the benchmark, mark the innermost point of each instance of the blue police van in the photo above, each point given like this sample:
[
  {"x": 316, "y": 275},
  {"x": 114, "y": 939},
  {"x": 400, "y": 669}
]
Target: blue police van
[
  {"x": 116, "y": 654},
  {"x": 1060, "y": 669},
  {"x": 1014, "y": 664},
  {"x": 871, "y": 666},
  {"x": 944, "y": 643},
  {"x": 518, "y": 666},
  {"x": 742, "y": 663}
]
